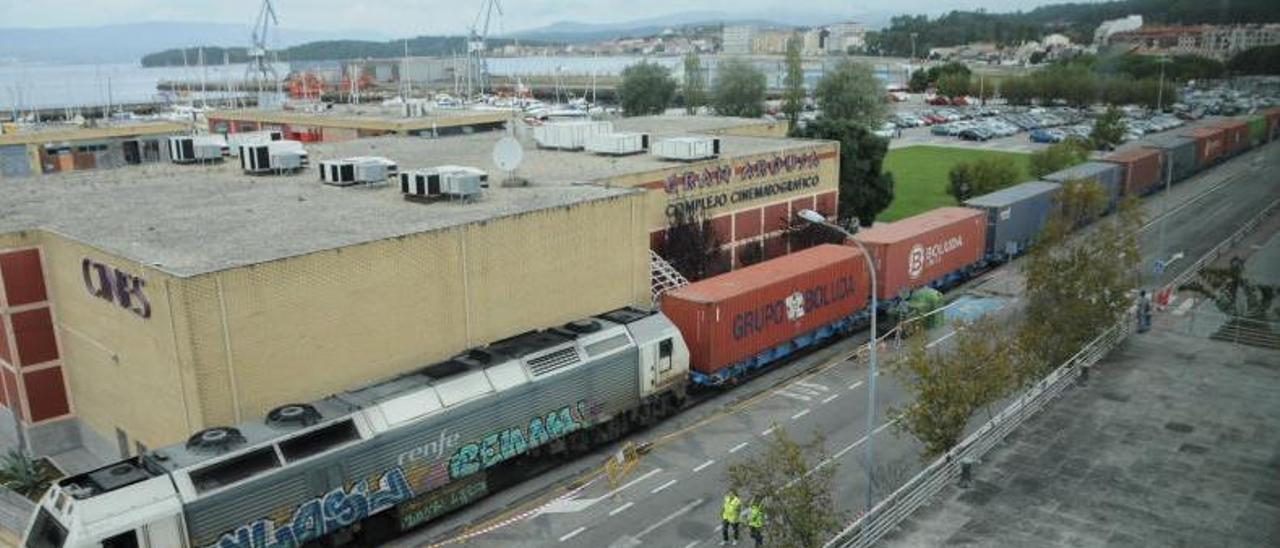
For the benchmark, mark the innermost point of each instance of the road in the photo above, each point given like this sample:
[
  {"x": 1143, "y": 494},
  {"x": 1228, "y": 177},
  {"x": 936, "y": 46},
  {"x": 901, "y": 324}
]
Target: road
[{"x": 672, "y": 498}]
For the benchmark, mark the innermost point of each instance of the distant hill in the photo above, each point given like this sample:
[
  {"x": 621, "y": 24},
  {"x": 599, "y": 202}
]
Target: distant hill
[
  {"x": 128, "y": 42},
  {"x": 333, "y": 49},
  {"x": 575, "y": 32}
]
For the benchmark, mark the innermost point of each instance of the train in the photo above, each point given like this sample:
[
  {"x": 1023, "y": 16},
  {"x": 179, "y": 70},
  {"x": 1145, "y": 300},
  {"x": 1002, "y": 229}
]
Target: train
[{"x": 360, "y": 466}]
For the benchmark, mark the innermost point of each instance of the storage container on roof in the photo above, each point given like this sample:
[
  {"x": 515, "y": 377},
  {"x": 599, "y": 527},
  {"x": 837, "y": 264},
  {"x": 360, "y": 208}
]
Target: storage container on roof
[
  {"x": 1015, "y": 216},
  {"x": 1106, "y": 174},
  {"x": 932, "y": 248}
]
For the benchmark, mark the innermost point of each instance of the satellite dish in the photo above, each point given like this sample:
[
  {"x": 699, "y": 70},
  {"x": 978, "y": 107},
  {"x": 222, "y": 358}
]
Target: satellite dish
[{"x": 508, "y": 154}]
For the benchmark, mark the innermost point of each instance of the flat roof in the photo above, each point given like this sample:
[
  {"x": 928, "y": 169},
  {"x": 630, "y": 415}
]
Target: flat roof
[
  {"x": 1014, "y": 194},
  {"x": 60, "y": 133},
  {"x": 369, "y": 117},
  {"x": 192, "y": 219}
]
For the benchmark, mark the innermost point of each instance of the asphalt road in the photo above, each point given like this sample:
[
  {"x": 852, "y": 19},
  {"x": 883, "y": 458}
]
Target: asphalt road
[{"x": 672, "y": 498}]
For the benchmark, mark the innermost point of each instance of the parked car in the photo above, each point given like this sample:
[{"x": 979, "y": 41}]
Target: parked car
[
  {"x": 940, "y": 129},
  {"x": 1046, "y": 136},
  {"x": 887, "y": 130},
  {"x": 937, "y": 100},
  {"x": 975, "y": 134}
]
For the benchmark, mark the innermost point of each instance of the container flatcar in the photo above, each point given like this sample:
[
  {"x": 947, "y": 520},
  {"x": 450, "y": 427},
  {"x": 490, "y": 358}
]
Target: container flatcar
[
  {"x": 938, "y": 248},
  {"x": 1179, "y": 155},
  {"x": 1209, "y": 145},
  {"x": 1140, "y": 170},
  {"x": 1106, "y": 174},
  {"x": 1015, "y": 217},
  {"x": 1235, "y": 135}
]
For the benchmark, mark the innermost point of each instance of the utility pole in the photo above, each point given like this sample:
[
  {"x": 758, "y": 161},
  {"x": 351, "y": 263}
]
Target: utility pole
[{"x": 913, "y": 46}]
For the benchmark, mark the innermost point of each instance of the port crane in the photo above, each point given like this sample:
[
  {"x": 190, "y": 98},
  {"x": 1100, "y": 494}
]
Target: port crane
[
  {"x": 260, "y": 70},
  {"x": 477, "y": 64}
]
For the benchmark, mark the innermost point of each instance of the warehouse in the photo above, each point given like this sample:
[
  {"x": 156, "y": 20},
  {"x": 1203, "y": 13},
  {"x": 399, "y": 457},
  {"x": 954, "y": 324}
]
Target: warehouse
[
  {"x": 140, "y": 305},
  {"x": 342, "y": 122},
  {"x": 66, "y": 148}
]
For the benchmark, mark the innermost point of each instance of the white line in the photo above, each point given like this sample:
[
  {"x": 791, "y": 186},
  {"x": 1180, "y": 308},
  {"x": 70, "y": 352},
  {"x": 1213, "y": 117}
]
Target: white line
[
  {"x": 738, "y": 447},
  {"x": 700, "y": 467},
  {"x": 692, "y": 544},
  {"x": 831, "y": 397},
  {"x": 621, "y": 509},
  {"x": 767, "y": 432},
  {"x": 842, "y": 452},
  {"x": 940, "y": 339},
  {"x": 1184, "y": 307},
  {"x": 855, "y": 385},
  {"x": 646, "y": 476},
  {"x": 663, "y": 486},
  {"x": 682, "y": 511},
  {"x": 883, "y": 426},
  {"x": 813, "y": 385},
  {"x": 793, "y": 396},
  {"x": 800, "y": 414},
  {"x": 573, "y": 533}
]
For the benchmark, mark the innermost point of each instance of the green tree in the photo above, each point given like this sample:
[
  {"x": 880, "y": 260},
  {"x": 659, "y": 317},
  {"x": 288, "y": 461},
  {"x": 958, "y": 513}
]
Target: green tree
[
  {"x": 953, "y": 85},
  {"x": 865, "y": 189},
  {"x": 794, "y": 487},
  {"x": 692, "y": 245},
  {"x": 646, "y": 88},
  {"x": 1234, "y": 293},
  {"x": 852, "y": 92},
  {"x": 1257, "y": 60},
  {"x": 982, "y": 176},
  {"x": 919, "y": 81},
  {"x": 961, "y": 183},
  {"x": 739, "y": 89},
  {"x": 794, "y": 95},
  {"x": 1057, "y": 157},
  {"x": 695, "y": 85},
  {"x": 1108, "y": 130}
]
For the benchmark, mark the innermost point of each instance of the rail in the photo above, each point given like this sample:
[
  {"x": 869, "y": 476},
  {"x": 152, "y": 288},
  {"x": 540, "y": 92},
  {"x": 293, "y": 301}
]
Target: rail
[{"x": 891, "y": 511}]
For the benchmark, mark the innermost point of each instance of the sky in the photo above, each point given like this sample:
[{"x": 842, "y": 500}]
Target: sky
[{"x": 415, "y": 17}]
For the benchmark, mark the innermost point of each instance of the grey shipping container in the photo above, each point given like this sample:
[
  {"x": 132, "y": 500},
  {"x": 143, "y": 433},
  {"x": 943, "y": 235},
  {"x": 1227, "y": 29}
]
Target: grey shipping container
[
  {"x": 1015, "y": 217},
  {"x": 1107, "y": 174},
  {"x": 14, "y": 162},
  {"x": 1179, "y": 153}
]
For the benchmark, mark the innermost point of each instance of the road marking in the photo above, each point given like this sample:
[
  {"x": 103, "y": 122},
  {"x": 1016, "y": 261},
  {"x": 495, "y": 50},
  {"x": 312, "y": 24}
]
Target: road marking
[
  {"x": 738, "y": 447},
  {"x": 813, "y": 385},
  {"x": 621, "y": 509},
  {"x": 883, "y": 426},
  {"x": 682, "y": 511},
  {"x": 692, "y": 544},
  {"x": 646, "y": 476},
  {"x": 700, "y": 467},
  {"x": 855, "y": 385},
  {"x": 767, "y": 431},
  {"x": 939, "y": 340},
  {"x": 1184, "y": 307},
  {"x": 800, "y": 414},
  {"x": 804, "y": 391},
  {"x": 573, "y": 533},
  {"x": 829, "y": 398},
  {"x": 793, "y": 396},
  {"x": 663, "y": 486},
  {"x": 842, "y": 452}
]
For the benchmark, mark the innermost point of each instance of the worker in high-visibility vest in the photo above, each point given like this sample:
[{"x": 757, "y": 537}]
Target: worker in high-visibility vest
[
  {"x": 755, "y": 521},
  {"x": 730, "y": 516}
]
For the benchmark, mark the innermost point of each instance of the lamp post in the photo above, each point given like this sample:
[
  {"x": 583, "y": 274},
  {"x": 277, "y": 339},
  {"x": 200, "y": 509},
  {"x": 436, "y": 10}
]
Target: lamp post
[{"x": 818, "y": 219}]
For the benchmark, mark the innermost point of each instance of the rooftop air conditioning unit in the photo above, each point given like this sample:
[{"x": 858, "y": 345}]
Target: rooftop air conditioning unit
[
  {"x": 618, "y": 144},
  {"x": 273, "y": 157},
  {"x": 187, "y": 149},
  {"x": 687, "y": 148},
  {"x": 443, "y": 181},
  {"x": 569, "y": 135},
  {"x": 234, "y": 140},
  {"x": 359, "y": 170},
  {"x": 484, "y": 177}
]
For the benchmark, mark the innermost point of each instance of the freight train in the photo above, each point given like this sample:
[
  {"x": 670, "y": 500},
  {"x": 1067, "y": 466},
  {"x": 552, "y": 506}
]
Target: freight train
[{"x": 355, "y": 466}]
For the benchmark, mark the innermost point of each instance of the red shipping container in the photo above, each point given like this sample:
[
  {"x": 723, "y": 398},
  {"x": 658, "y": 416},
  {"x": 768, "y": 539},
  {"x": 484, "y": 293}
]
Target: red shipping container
[
  {"x": 1209, "y": 144},
  {"x": 1141, "y": 169},
  {"x": 732, "y": 317},
  {"x": 1235, "y": 134},
  {"x": 1273, "y": 123},
  {"x": 917, "y": 250}
]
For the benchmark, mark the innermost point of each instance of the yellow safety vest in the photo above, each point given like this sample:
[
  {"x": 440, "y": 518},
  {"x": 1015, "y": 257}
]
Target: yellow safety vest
[
  {"x": 732, "y": 505},
  {"x": 755, "y": 517}
]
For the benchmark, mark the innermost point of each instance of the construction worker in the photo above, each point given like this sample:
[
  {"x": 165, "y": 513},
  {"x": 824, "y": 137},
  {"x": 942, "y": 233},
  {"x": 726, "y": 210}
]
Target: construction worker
[
  {"x": 755, "y": 521},
  {"x": 729, "y": 516}
]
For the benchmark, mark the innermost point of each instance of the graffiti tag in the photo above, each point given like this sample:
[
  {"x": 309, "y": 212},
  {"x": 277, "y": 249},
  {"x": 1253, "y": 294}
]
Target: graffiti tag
[{"x": 501, "y": 445}]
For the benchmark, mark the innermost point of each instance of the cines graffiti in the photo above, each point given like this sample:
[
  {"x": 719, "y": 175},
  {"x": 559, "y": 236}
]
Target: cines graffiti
[
  {"x": 324, "y": 515},
  {"x": 792, "y": 308},
  {"x": 723, "y": 174},
  {"x": 501, "y": 445}
]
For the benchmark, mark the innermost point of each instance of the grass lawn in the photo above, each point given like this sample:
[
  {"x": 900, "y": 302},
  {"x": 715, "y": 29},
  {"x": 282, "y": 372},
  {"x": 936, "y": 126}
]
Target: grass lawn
[{"x": 920, "y": 176}]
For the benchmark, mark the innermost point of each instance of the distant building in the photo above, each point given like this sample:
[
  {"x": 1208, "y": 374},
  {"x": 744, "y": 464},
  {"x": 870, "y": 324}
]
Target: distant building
[
  {"x": 1056, "y": 40},
  {"x": 1107, "y": 28},
  {"x": 815, "y": 42},
  {"x": 1217, "y": 42},
  {"x": 843, "y": 36},
  {"x": 738, "y": 40},
  {"x": 771, "y": 42}
]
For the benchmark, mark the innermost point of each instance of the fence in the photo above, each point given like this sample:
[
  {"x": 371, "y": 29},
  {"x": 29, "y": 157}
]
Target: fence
[{"x": 919, "y": 490}]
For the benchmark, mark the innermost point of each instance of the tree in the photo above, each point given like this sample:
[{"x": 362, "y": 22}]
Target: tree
[
  {"x": 961, "y": 182},
  {"x": 919, "y": 81},
  {"x": 647, "y": 88},
  {"x": 1108, "y": 130},
  {"x": 1235, "y": 294},
  {"x": 865, "y": 189},
  {"x": 692, "y": 245},
  {"x": 1057, "y": 157},
  {"x": 695, "y": 86},
  {"x": 739, "y": 89},
  {"x": 794, "y": 95},
  {"x": 852, "y": 92},
  {"x": 1256, "y": 60},
  {"x": 954, "y": 84},
  {"x": 982, "y": 176},
  {"x": 949, "y": 384},
  {"x": 794, "y": 489}
]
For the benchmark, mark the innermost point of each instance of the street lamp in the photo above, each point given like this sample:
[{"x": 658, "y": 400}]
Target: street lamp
[{"x": 818, "y": 219}]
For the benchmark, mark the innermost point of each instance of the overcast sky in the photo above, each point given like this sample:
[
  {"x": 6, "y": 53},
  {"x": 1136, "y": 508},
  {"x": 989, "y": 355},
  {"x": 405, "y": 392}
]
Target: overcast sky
[{"x": 414, "y": 17}]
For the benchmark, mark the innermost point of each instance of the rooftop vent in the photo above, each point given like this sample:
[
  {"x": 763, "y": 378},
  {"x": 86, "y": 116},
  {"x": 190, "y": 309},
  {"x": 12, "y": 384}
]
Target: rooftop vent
[
  {"x": 118, "y": 475},
  {"x": 355, "y": 171},
  {"x": 188, "y": 149},
  {"x": 273, "y": 157},
  {"x": 618, "y": 144},
  {"x": 553, "y": 361},
  {"x": 687, "y": 148},
  {"x": 293, "y": 415},
  {"x": 583, "y": 326},
  {"x": 454, "y": 182},
  {"x": 569, "y": 135},
  {"x": 216, "y": 440}
]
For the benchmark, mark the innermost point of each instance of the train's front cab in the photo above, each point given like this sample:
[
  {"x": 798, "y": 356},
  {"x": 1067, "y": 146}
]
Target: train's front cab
[{"x": 122, "y": 505}]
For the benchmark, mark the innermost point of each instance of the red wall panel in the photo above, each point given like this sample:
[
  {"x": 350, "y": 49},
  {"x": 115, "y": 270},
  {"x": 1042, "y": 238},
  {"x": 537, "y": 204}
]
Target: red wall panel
[
  {"x": 723, "y": 227},
  {"x": 827, "y": 204},
  {"x": 4, "y": 339},
  {"x": 23, "y": 278},
  {"x": 34, "y": 337},
  {"x": 747, "y": 224},
  {"x": 655, "y": 239},
  {"x": 774, "y": 247},
  {"x": 777, "y": 217},
  {"x": 11, "y": 391},
  {"x": 46, "y": 393},
  {"x": 801, "y": 203}
]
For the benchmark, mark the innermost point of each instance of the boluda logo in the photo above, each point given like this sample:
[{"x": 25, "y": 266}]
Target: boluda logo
[
  {"x": 114, "y": 285},
  {"x": 922, "y": 257}
]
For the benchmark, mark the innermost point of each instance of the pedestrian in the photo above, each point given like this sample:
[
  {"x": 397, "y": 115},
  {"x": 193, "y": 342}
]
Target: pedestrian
[
  {"x": 1144, "y": 312},
  {"x": 755, "y": 521},
  {"x": 729, "y": 516}
]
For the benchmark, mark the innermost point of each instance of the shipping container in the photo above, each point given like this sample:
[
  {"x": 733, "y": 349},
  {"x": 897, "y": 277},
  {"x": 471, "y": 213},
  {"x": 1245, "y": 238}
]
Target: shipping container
[
  {"x": 1257, "y": 129},
  {"x": 935, "y": 248},
  {"x": 1140, "y": 170},
  {"x": 1015, "y": 217},
  {"x": 1104, "y": 173},
  {"x": 1209, "y": 145},
  {"x": 1273, "y": 123},
  {"x": 747, "y": 318},
  {"x": 1180, "y": 161},
  {"x": 1235, "y": 135}
]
